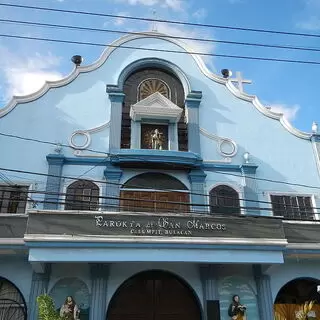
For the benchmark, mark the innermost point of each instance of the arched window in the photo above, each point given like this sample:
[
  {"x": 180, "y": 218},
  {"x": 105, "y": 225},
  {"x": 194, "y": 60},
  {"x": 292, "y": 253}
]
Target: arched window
[
  {"x": 149, "y": 86},
  {"x": 12, "y": 304},
  {"x": 154, "y": 192},
  {"x": 144, "y": 82},
  {"x": 82, "y": 195},
  {"x": 224, "y": 199}
]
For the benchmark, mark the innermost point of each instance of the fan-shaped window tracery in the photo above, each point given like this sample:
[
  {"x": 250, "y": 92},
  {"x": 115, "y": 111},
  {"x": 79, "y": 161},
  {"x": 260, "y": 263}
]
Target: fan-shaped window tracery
[{"x": 149, "y": 86}]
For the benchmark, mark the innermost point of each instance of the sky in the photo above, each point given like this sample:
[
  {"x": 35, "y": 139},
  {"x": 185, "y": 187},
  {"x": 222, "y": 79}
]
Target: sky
[{"x": 290, "y": 88}]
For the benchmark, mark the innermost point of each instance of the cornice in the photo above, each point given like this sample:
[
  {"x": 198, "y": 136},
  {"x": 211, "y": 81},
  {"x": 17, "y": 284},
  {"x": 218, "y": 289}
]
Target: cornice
[{"x": 106, "y": 53}]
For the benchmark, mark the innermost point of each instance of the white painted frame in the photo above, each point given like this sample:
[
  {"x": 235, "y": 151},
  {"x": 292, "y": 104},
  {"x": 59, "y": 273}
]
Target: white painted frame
[
  {"x": 29, "y": 195},
  {"x": 293, "y": 194},
  {"x": 238, "y": 188},
  {"x": 101, "y": 185}
]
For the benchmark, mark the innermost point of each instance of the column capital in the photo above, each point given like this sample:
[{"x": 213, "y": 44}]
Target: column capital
[
  {"x": 249, "y": 168},
  {"x": 115, "y": 93},
  {"x": 193, "y": 99},
  {"x": 112, "y": 173},
  {"x": 197, "y": 176},
  {"x": 55, "y": 159}
]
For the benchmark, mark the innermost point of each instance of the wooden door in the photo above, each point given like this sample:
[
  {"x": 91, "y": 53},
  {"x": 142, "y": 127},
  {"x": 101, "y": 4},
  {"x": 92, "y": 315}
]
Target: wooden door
[
  {"x": 154, "y": 295},
  {"x": 153, "y": 201}
]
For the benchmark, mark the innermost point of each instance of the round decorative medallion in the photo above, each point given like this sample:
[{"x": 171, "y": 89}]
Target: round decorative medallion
[
  {"x": 80, "y": 140},
  {"x": 149, "y": 86},
  {"x": 227, "y": 148}
]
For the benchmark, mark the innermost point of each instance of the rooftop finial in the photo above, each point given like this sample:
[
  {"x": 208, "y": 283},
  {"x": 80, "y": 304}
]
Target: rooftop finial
[
  {"x": 314, "y": 127},
  {"x": 154, "y": 26}
]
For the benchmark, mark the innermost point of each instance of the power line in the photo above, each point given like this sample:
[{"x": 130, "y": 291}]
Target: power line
[
  {"x": 184, "y": 23},
  {"x": 161, "y": 50},
  {"x": 78, "y": 28},
  {"x": 104, "y": 159},
  {"x": 56, "y": 144},
  {"x": 146, "y": 201}
]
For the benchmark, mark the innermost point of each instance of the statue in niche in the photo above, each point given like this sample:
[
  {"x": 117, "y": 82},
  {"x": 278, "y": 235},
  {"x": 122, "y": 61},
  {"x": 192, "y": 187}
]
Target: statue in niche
[
  {"x": 69, "y": 310},
  {"x": 236, "y": 310},
  {"x": 156, "y": 139}
]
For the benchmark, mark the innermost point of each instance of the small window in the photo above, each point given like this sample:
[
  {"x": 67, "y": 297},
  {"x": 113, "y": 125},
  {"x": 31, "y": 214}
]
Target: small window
[
  {"x": 82, "y": 195},
  {"x": 224, "y": 199},
  {"x": 150, "y": 86},
  {"x": 292, "y": 207},
  {"x": 13, "y": 199}
]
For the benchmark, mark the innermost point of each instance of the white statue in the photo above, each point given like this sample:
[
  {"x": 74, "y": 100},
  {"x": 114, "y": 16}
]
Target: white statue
[{"x": 156, "y": 140}]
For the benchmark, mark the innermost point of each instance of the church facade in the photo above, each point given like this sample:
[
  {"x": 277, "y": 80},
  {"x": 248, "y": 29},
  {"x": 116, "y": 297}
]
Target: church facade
[{"x": 145, "y": 186}]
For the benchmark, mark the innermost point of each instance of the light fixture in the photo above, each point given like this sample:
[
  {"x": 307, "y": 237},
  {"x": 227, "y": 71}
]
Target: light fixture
[
  {"x": 77, "y": 60},
  {"x": 246, "y": 157},
  {"x": 226, "y": 73}
]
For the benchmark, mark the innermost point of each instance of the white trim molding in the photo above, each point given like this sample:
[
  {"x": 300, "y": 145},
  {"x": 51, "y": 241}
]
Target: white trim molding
[
  {"x": 220, "y": 142},
  {"x": 112, "y": 47},
  {"x": 164, "y": 240}
]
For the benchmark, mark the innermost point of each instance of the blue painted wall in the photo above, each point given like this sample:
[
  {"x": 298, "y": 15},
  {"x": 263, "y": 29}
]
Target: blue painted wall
[
  {"x": 84, "y": 104},
  {"x": 292, "y": 269},
  {"x": 19, "y": 272}
]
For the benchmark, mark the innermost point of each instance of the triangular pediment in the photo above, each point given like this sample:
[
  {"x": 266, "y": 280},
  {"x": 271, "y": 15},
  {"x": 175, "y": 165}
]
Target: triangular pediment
[{"x": 156, "y": 106}]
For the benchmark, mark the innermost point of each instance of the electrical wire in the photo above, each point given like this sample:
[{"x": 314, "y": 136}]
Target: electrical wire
[
  {"x": 143, "y": 205},
  {"x": 79, "y": 28},
  {"x": 105, "y": 159},
  {"x": 46, "y": 142},
  {"x": 183, "y": 23},
  {"x": 306, "y": 62},
  {"x": 151, "y": 189}
]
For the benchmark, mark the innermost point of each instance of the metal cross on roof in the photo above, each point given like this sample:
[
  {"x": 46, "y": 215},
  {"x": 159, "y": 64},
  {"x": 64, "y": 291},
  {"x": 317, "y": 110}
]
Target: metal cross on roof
[
  {"x": 240, "y": 81},
  {"x": 154, "y": 25}
]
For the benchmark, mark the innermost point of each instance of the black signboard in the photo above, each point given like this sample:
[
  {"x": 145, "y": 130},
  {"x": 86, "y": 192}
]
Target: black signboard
[{"x": 125, "y": 224}]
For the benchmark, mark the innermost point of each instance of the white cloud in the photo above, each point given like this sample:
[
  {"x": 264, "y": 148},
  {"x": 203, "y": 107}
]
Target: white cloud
[
  {"x": 311, "y": 22},
  {"x": 289, "y": 112},
  {"x": 176, "y": 5},
  {"x": 200, "y": 14},
  {"x": 120, "y": 21},
  {"x": 183, "y": 32},
  {"x": 26, "y": 75}
]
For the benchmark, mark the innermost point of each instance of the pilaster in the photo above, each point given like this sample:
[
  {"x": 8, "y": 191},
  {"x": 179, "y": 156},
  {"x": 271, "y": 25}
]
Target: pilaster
[
  {"x": 209, "y": 280},
  {"x": 55, "y": 163},
  {"x": 39, "y": 285},
  {"x": 197, "y": 181},
  {"x": 116, "y": 97},
  {"x": 99, "y": 278},
  {"x": 192, "y": 103},
  {"x": 248, "y": 171},
  {"x": 264, "y": 295},
  {"x": 173, "y": 137},
  {"x": 135, "y": 142},
  {"x": 112, "y": 190}
]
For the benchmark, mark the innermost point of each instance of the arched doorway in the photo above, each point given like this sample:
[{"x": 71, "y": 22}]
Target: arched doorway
[
  {"x": 12, "y": 303},
  {"x": 294, "y": 294},
  {"x": 154, "y": 295},
  {"x": 147, "y": 192}
]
